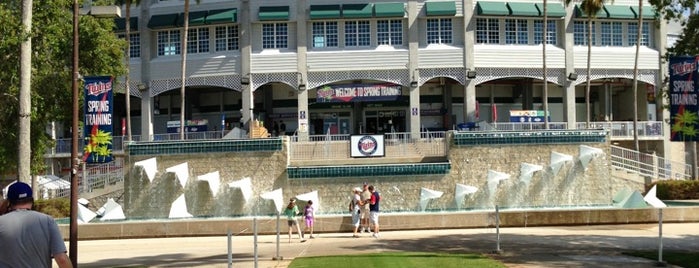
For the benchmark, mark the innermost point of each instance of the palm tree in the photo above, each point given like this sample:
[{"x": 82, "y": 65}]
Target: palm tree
[
  {"x": 184, "y": 64},
  {"x": 25, "y": 120},
  {"x": 127, "y": 91},
  {"x": 590, "y": 8},
  {"x": 635, "y": 75}
]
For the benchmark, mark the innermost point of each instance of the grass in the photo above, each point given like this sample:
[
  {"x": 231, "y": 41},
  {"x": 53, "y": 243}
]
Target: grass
[
  {"x": 397, "y": 259},
  {"x": 679, "y": 258}
]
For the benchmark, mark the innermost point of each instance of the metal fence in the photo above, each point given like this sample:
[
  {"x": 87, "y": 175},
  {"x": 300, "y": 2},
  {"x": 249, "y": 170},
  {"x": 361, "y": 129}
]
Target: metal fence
[{"x": 649, "y": 165}]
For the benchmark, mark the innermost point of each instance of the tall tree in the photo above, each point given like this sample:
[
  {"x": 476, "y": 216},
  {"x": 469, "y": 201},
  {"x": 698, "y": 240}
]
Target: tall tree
[
  {"x": 639, "y": 32},
  {"x": 127, "y": 91},
  {"x": 590, "y": 8},
  {"x": 51, "y": 97},
  {"x": 24, "y": 148},
  {"x": 184, "y": 65}
]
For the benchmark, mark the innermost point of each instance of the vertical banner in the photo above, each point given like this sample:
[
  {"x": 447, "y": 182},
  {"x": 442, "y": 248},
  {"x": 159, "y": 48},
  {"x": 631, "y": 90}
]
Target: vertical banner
[
  {"x": 98, "y": 119},
  {"x": 684, "y": 120}
]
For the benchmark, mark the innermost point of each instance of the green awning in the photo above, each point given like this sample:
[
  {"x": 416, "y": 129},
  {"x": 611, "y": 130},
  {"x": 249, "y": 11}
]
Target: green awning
[
  {"x": 389, "y": 10},
  {"x": 620, "y": 12},
  {"x": 222, "y": 16},
  {"x": 522, "y": 9},
  {"x": 581, "y": 14},
  {"x": 485, "y": 8},
  {"x": 163, "y": 21},
  {"x": 648, "y": 12},
  {"x": 195, "y": 18},
  {"x": 325, "y": 12},
  {"x": 120, "y": 24},
  {"x": 274, "y": 13},
  {"x": 357, "y": 10},
  {"x": 440, "y": 8},
  {"x": 552, "y": 10}
]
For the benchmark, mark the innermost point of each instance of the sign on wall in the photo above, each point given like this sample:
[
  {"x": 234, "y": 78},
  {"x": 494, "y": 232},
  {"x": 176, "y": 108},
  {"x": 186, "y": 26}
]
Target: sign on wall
[
  {"x": 359, "y": 92},
  {"x": 683, "y": 91},
  {"x": 367, "y": 146},
  {"x": 527, "y": 116},
  {"x": 98, "y": 119}
]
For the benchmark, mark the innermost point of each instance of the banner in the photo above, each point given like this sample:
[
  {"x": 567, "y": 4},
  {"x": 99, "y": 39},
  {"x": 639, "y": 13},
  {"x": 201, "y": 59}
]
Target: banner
[
  {"x": 527, "y": 116},
  {"x": 367, "y": 146},
  {"x": 683, "y": 98},
  {"x": 98, "y": 119},
  {"x": 359, "y": 92}
]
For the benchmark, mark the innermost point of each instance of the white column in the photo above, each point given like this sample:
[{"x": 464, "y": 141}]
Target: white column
[
  {"x": 569, "y": 86},
  {"x": 469, "y": 63},
  {"x": 146, "y": 100},
  {"x": 302, "y": 114},
  {"x": 413, "y": 45}
]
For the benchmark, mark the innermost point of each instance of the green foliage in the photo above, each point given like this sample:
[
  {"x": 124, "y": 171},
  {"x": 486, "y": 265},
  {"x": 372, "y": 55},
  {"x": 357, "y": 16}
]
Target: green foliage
[
  {"x": 687, "y": 43},
  {"x": 56, "y": 207},
  {"x": 684, "y": 124},
  {"x": 101, "y": 53},
  {"x": 677, "y": 189},
  {"x": 398, "y": 259}
]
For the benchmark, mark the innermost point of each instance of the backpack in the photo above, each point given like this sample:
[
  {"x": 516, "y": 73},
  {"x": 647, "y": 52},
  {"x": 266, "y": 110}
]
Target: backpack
[{"x": 351, "y": 205}]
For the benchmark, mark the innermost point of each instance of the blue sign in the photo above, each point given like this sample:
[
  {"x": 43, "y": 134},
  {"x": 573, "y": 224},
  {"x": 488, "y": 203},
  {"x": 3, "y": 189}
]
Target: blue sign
[
  {"x": 683, "y": 98},
  {"x": 98, "y": 119}
]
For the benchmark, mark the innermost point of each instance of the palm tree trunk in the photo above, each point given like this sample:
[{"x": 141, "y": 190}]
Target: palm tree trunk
[
  {"x": 635, "y": 75},
  {"x": 546, "y": 89},
  {"x": 184, "y": 66},
  {"x": 587, "y": 81},
  {"x": 25, "y": 103},
  {"x": 127, "y": 92}
]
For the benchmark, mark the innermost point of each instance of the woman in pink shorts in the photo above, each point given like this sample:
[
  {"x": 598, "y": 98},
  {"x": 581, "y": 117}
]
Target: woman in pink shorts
[{"x": 309, "y": 215}]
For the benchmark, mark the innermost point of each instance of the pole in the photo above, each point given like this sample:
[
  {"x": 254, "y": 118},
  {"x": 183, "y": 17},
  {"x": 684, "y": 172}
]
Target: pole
[
  {"x": 660, "y": 236},
  {"x": 73, "y": 246},
  {"x": 230, "y": 249},
  {"x": 497, "y": 229},
  {"x": 277, "y": 257},
  {"x": 254, "y": 230}
]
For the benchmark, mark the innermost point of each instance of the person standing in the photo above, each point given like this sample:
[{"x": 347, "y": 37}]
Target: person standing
[
  {"x": 309, "y": 216},
  {"x": 355, "y": 204},
  {"x": 290, "y": 212},
  {"x": 282, "y": 128},
  {"x": 374, "y": 210},
  {"x": 29, "y": 238},
  {"x": 366, "y": 197}
]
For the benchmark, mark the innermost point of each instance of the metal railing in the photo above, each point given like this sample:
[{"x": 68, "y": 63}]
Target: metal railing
[
  {"x": 93, "y": 177},
  {"x": 649, "y": 165}
]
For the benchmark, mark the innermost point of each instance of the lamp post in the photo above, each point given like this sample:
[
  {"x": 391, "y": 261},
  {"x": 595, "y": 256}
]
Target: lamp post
[{"x": 73, "y": 246}]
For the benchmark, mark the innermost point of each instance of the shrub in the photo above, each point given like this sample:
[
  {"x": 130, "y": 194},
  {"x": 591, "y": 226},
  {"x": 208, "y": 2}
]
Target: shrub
[
  {"x": 57, "y": 207},
  {"x": 676, "y": 189}
]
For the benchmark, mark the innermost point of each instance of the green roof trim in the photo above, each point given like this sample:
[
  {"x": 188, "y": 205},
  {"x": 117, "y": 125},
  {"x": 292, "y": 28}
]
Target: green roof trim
[
  {"x": 273, "y": 13},
  {"x": 552, "y": 9},
  {"x": 325, "y": 12},
  {"x": 357, "y": 10},
  {"x": 195, "y": 18},
  {"x": 580, "y": 13},
  {"x": 222, "y": 16},
  {"x": 440, "y": 8},
  {"x": 120, "y": 24},
  {"x": 620, "y": 12},
  {"x": 486, "y": 8},
  {"x": 163, "y": 21},
  {"x": 648, "y": 12},
  {"x": 389, "y": 10},
  {"x": 522, "y": 9}
]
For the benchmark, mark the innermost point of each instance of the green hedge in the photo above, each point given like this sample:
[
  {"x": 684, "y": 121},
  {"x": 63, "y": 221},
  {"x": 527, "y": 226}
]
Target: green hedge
[
  {"x": 676, "y": 189},
  {"x": 57, "y": 207}
]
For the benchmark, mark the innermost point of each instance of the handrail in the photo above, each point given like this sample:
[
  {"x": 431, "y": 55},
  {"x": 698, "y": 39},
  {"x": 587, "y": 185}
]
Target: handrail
[{"x": 649, "y": 165}]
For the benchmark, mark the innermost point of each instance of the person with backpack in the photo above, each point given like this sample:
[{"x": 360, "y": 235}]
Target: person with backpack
[{"x": 374, "y": 210}]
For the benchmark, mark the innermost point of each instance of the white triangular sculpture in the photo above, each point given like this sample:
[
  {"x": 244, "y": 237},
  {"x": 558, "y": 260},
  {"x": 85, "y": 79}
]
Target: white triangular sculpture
[
  {"x": 85, "y": 215},
  {"x": 214, "y": 181},
  {"x": 652, "y": 199},
  {"x": 150, "y": 166},
  {"x": 526, "y": 171},
  {"x": 557, "y": 161},
  {"x": 494, "y": 178},
  {"x": 587, "y": 153},
  {"x": 181, "y": 171},
  {"x": 179, "y": 208},
  {"x": 312, "y": 196},
  {"x": 111, "y": 211},
  {"x": 275, "y": 196},
  {"x": 245, "y": 186},
  {"x": 426, "y": 195},
  {"x": 461, "y": 191}
]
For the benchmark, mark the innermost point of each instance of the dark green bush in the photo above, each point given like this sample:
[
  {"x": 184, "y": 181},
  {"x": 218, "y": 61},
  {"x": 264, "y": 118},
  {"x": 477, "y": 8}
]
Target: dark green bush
[
  {"x": 57, "y": 207},
  {"x": 676, "y": 189}
]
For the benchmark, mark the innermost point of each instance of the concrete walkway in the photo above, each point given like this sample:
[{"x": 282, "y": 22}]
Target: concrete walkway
[{"x": 556, "y": 246}]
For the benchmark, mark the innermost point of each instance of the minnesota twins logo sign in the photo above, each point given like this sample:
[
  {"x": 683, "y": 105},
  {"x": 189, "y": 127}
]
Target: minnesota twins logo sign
[{"x": 367, "y": 145}]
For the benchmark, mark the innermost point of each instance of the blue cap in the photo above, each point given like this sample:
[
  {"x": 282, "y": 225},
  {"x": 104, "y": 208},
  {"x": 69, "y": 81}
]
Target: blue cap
[{"x": 19, "y": 190}]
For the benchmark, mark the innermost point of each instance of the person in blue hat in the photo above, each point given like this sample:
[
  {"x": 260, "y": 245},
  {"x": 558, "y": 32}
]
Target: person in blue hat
[{"x": 29, "y": 238}]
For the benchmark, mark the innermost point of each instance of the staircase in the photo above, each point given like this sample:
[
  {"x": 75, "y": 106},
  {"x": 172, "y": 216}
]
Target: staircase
[{"x": 642, "y": 167}]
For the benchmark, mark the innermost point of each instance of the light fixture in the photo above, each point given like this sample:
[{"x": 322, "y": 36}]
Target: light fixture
[
  {"x": 470, "y": 74},
  {"x": 667, "y": 120},
  {"x": 413, "y": 84},
  {"x": 302, "y": 87},
  {"x": 245, "y": 80},
  {"x": 142, "y": 87},
  {"x": 572, "y": 76}
]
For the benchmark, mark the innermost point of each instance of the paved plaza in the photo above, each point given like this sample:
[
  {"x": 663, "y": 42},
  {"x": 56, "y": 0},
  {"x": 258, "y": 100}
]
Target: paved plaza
[{"x": 553, "y": 246}]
